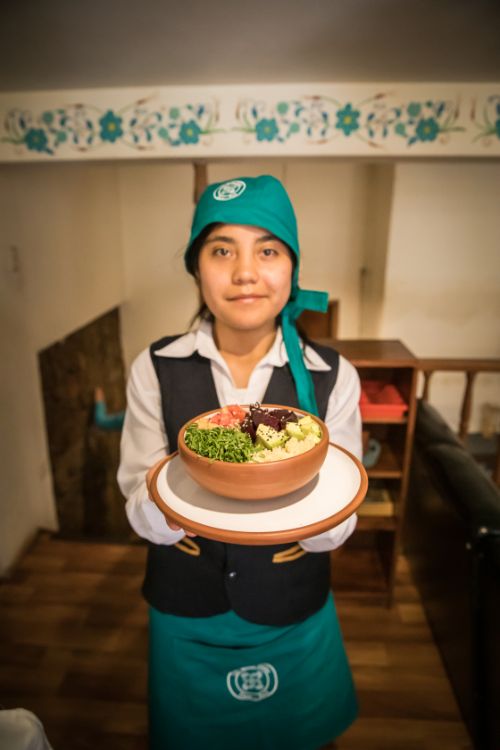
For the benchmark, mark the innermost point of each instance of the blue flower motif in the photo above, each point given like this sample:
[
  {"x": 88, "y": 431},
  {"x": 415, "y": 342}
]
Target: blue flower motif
[
  {"x": 111, "y": 127},
  {"x": 174, "y": 113},
  {"x": 347, "y": 119},
  {"x": 282, "y": 108},
  {"x": 190, "y": 132},
  {"x": 266, "y": 129},
  {"x": 497, "y": 128},
  {"x": 427, "y": 130},
  {"x": 36, "y": 140},
  {"x": 414, "y": 109}
]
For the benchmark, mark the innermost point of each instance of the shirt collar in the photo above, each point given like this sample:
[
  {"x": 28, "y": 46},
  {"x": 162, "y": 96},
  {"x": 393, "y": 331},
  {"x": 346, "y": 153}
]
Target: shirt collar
[{"x": 201, "y": 340}]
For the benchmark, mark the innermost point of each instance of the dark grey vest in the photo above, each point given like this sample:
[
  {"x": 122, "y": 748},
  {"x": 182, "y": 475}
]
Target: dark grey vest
[{"x": 232, "y": 576}]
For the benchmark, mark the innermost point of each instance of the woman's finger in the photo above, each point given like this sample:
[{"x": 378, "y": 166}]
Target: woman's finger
[{"x": 173, "y": 526}]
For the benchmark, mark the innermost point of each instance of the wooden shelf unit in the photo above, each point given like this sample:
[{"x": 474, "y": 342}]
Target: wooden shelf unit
[
  {"x": 388, "y": 466},
  {"x": 387, "y": 420},
  {"x": 387, "y": 361},
  {"x": 376, "y": 523}
]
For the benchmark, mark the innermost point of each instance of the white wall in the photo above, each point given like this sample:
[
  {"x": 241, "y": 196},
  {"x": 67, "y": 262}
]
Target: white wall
[
  {"x": 156, "y": 203},
  {"x": 380, "y": 188},
  {"x": 63, "y": 220},
  {"x": 330, "y": 199},
  {"x": 442, "y": 282}
]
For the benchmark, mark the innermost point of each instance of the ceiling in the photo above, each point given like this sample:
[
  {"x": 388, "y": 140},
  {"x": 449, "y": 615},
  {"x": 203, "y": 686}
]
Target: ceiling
[{"x": 57, "y": 44}]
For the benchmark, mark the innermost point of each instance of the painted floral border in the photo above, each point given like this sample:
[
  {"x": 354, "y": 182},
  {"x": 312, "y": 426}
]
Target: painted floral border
[
  {"x": 318, "y": 120},
  {"x": 487, "y": 121},
  {"x": 321, "y": 119},
  {"x": 84, "y": 127}
]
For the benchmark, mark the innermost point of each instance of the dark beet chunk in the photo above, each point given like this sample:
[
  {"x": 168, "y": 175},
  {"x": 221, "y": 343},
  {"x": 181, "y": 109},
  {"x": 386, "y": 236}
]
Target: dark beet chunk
[
  {"x": 248, "y": 426},
  {"x": 271, "y": 421},
  {"x": 263, "y": 417},
  {"x": 275, "y": 418},
  {"x": 259, "y": 416},
  {"x": 284, "y": 416}
]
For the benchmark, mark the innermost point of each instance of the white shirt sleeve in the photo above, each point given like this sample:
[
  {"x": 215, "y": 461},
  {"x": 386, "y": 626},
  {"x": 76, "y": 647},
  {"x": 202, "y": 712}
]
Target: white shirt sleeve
[
  {"x": 143, "y": 443},
  {"x": 21, "y": 729},
  {"x": 343, "y": 420}
]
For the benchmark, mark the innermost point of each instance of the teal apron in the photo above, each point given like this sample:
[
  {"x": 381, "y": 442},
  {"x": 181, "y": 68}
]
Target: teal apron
[{"x": 223, "y": 682}]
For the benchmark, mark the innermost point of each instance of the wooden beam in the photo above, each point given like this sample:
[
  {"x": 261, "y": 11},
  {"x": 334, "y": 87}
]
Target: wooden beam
[{"x": 200, "y": 179}]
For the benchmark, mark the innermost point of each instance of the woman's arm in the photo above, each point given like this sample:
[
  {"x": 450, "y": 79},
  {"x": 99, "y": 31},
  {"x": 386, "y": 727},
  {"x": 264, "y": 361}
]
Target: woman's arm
[
  {"x": 343, "y": 420},
  {"x": 143, "y": 444}
]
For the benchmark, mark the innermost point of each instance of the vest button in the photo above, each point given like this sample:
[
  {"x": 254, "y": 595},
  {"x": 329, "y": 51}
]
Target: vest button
[{"x": 232, "y": 574}]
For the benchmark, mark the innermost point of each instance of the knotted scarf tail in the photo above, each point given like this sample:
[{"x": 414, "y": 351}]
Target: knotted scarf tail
[{"x": 302, "y": 300}]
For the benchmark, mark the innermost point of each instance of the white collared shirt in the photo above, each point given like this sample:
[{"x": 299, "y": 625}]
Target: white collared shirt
[{"x": 144, "y": 441}]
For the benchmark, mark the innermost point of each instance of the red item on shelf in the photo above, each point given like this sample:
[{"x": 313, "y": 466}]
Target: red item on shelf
[{"x": 381, "y": 401}]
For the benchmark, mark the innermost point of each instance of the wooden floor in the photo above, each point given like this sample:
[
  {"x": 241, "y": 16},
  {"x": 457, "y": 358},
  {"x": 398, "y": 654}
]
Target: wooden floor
[{"x": 74, "y": 643}]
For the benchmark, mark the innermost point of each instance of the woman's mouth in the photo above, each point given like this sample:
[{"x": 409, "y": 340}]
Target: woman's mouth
[{"x": 246, "y": 298}]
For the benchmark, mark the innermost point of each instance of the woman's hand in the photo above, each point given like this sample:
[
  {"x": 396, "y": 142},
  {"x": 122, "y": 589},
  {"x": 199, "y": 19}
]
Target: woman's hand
[{"x": 149, "y": 477}]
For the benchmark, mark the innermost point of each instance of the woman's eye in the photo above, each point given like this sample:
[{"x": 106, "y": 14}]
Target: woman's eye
[
  {"x": 269, "y": 251},
  {"x": 222, "y": 251}
]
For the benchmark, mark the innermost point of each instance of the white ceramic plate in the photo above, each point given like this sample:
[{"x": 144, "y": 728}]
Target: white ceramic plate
[{"x": 323, "y": 503}]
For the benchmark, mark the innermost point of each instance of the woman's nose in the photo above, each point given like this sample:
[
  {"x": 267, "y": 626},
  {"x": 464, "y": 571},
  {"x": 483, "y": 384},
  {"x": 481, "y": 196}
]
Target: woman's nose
[{"x": 245, "y": 270}]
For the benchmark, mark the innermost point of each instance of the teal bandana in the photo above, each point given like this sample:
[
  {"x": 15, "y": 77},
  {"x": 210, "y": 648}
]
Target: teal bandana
[{"x": 264, "y": 202}]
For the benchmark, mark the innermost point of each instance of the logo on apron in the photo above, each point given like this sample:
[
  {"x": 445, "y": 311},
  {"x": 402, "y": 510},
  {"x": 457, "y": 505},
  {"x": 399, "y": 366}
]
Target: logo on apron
[
  {"x": 253, "y": 683},
  {"x": 229, "y": 190}
]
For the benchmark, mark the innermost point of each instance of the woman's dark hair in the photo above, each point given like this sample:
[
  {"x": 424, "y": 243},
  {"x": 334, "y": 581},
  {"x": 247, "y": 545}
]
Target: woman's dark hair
[
  {"x": 192, "y": 257},
  {"x": 193, "y": 252}
]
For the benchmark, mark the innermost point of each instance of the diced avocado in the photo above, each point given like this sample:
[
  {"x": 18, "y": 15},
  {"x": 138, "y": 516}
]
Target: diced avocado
[
  {"x": 315, "y": 429},
  {"x": 269, "y": 437},
  {"x": 293, "y": 429},
  {"x": 308, "y": 425},
  {"x": 305, "y": 420}
]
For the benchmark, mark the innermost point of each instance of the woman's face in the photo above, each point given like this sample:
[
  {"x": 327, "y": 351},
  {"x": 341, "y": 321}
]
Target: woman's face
[{"x": 245, "y": 276}]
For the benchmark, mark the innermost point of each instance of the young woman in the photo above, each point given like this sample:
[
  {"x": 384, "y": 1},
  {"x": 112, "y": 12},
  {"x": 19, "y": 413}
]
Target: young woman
[{"x": 245, "y": 645}]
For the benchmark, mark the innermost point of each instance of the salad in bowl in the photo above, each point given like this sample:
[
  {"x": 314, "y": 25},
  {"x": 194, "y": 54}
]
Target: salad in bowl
[{"x": 253, "y": 452}]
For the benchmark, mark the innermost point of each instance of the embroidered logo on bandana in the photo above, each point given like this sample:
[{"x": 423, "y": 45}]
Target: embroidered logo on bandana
[
  {"x": 254, "y": 683},
  {"x": 229, "y": 190}
]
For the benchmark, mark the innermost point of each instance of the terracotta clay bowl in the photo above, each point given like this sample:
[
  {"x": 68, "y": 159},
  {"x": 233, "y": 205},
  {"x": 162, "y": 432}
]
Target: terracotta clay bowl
[{"x": 254, "y": 481}]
